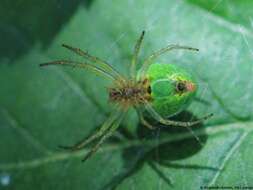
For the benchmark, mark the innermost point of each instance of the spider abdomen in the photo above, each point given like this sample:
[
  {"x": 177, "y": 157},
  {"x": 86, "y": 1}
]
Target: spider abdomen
[{"x": 172, "y": 88}]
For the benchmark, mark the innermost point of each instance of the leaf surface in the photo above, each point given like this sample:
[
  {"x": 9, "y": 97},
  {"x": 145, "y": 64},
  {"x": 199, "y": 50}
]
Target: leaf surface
[{"x": 41, "y": 108}]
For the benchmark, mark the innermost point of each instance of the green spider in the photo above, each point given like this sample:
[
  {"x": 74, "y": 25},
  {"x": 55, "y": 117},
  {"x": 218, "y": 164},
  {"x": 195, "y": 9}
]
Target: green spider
[{"x": 161, "y": 90}]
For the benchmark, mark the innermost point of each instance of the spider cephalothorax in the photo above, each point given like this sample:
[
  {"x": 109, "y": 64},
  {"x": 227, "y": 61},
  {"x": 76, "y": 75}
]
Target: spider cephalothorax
[
  {"x": 130, "y": 93},
  {"x": 161, "y": 90}
]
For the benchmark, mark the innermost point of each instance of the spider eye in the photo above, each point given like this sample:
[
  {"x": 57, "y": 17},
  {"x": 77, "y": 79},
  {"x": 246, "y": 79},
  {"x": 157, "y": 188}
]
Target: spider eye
[{"x": 180, "y": 87}]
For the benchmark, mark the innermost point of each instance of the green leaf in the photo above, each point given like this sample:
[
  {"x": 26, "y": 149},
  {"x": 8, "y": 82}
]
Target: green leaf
[
  {"x": 237, "y": 12},
  {"x": 41, "y": 108}
]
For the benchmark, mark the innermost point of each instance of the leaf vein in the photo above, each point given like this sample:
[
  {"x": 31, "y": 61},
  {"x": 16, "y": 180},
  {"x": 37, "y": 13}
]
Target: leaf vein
[
  {"x": 64, "y": 156},
  {"x": 237, "y": 28},
  {"x": 229, "y": 154},
  {"x": 24, "y": 133}
]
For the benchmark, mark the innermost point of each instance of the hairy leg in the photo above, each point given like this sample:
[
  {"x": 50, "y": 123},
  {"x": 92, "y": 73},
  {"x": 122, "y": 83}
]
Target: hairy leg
[
  {"x": 164, "y": 121},
  {"x": 101, "y": 63},
  {"x": 135, "y": 55},
  {"x": 143, "y": 120},
  {"x": 107, "y": 134},
  {"x": 106, "y": 125},
  {"x": 84, "y": 65},
  {"x": 158, "y": 53},
  {"x": 168, "y": 122}
]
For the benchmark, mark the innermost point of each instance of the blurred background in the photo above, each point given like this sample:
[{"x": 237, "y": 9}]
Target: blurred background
[{"x": 41, "y": 108}]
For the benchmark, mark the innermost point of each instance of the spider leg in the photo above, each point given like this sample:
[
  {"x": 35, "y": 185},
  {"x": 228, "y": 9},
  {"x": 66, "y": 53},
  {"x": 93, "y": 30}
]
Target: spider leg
[
  {"x": 156, "y": 54},
  {"x": 103, "y": 64},
  {"x": 83, "y": 65},
  {"x": 106, "y": 125},
  {"x": 164, "y": 121},
  {"x": 168, "y": 122},
  {"x": 143, "y": 120},
  {"x": 107, "y": 134},
  {"x": 135, "y": 55}
]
